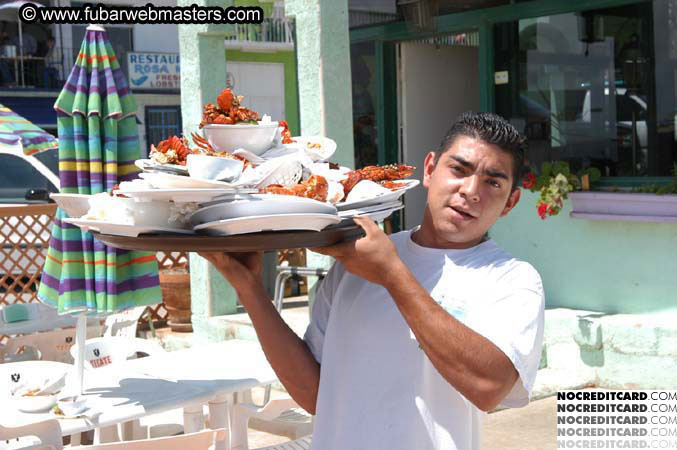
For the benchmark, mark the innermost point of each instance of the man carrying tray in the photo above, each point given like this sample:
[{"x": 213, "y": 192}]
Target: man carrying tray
[{"x": 416, "y": 335}]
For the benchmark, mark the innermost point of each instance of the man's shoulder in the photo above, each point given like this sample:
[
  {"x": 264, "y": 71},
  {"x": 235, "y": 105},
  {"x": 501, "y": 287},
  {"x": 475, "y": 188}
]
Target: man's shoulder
[{"x": 507, "y": 268}]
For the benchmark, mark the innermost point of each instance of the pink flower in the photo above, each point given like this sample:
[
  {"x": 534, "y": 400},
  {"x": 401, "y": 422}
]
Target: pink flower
[{"x": 529, "y": 181}]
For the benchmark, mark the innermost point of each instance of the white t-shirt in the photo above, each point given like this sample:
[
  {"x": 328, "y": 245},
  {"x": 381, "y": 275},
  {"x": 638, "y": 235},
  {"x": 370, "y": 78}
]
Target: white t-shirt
[{"x": 378, "y": 390}]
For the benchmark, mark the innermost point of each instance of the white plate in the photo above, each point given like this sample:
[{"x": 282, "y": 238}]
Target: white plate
[
  {"x": 379, "y": 216},
  {"x": 370, "y": 209},
  {"x": 149, "y": 164},
  {"x": 184, "y": 195},
  {"x": 260, "y": 205},
  {"x": 169, "y": 181},
  {"x": 37, "y": 403},
  {"x": 387, "y": 197},
  {"x": 75, "y": 205},
  {"x": 119, "y": 229},
  {"x": 278, "y": 222},
  {"x": 326, "y": 148}
]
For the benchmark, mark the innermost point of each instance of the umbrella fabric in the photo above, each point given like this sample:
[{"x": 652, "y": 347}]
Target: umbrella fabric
[
  {"x": 99, "y": 143},
  {"x": 19, "y": 134}
]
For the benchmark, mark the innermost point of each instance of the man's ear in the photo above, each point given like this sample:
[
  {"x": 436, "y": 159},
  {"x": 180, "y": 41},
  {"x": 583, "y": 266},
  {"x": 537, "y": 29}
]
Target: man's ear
[
  {"x": 512, "y": 201},
  {"x": 428, "y": 168}
]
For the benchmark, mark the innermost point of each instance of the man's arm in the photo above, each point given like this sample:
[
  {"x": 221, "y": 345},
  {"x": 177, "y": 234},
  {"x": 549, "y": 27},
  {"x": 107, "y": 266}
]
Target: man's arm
[
  {"x": 468, "y": 361},
  {"x": 288, "y": 354}
]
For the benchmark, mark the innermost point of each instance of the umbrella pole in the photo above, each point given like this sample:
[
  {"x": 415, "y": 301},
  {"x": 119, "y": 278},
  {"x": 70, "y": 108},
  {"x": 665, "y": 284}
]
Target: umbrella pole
[{"x": 80, "y": 336}]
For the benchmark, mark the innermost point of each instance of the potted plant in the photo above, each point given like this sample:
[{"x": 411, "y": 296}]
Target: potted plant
[
  {"x": 556, "y": 183},
  {"x": 175, "y": 285}
]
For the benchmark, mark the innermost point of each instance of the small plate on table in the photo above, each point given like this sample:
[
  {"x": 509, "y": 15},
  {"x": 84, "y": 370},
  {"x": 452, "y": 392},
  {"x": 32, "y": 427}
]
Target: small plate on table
[
  {"x": 35, "y": 403},
  {"x": 120, "y": 229}
]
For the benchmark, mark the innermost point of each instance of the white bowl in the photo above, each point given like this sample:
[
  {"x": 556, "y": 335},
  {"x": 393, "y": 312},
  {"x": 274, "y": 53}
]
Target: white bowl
[
  {"x": 254, "y": 138},
  {"x": 125, "y": 210},
  {"x": 36, "y": 403},
  {"x": 75, "y": 205},
  {"x": 318, "y": 148},
  {"x": 72, "y": 406},
  {"x": 214, "y": 167}
]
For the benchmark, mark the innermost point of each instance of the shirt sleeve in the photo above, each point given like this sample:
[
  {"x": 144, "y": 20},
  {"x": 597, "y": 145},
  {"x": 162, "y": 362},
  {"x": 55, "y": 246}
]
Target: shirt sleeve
[
  {"x": 319, "y": 317},
  {"x": 514, "y": 322}
]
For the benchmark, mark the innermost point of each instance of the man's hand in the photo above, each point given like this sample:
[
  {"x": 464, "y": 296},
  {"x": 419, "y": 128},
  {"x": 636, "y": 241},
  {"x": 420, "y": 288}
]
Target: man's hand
[
  {"x": 242, "y": 270},
  {"x": 373, "y": 257}
]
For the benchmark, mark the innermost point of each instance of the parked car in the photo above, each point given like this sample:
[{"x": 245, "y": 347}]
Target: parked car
[
  {"x": 28, "y": 179},
  {"x": 24, "y": 180}
]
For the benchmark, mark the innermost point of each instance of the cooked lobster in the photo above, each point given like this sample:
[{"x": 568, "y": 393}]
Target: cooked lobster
[{"x": 315, "y": 187}]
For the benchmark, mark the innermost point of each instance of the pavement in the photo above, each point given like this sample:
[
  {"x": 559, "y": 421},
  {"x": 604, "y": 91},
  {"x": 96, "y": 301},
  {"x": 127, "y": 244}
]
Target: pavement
[
  {"x": 530, "y": 428},
  {"x": 533, "y": 427}
]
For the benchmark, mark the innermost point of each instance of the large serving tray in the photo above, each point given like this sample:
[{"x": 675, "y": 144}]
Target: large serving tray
[{"x": 264, "y": 241}]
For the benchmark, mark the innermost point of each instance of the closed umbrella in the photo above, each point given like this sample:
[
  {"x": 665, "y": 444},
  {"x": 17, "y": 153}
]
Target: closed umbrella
[{"x": 98, "y": 137}]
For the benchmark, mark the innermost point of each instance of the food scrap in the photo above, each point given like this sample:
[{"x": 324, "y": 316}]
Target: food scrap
[
  {"x": 378, "y": 174},
  {"x": 228, "y": 111},
  {"x": 315, "y": 187},
  {"x": 173, "y": 150}
]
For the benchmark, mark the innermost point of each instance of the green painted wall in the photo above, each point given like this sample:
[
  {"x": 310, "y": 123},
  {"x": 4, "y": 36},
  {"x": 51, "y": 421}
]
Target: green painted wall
[
  {"x": 612, "y": 267},
  {"x": 291, "y": 98}
]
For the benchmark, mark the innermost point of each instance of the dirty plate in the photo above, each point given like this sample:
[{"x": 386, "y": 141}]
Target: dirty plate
[
  {"x": 120, "y": 229},
  {"x": 276, "y": 222}
]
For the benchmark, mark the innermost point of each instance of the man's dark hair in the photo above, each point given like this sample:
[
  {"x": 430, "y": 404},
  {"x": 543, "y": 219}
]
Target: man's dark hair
[{"x": 492, "y": 129}]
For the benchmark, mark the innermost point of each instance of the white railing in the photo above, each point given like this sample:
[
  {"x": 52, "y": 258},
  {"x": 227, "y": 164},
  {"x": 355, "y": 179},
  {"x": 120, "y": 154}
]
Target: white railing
[{"x": 275, "y": 32}]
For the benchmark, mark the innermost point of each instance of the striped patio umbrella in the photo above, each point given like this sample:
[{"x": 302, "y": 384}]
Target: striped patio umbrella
[
  {"x": 98, "y": 136},
  {"x": 18, "y": 135}
]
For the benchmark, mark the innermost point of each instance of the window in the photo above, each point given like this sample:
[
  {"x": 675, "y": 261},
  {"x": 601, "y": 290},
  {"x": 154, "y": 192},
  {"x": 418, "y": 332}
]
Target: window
[
  {"x": 594, "y": 88},
  {"x": 162, "y": 122},
  {"x": 363, "y": 67}
]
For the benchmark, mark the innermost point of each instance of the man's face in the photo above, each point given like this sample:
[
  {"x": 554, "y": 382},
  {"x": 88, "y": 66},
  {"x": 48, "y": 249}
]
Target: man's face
[{"x": 469, "y": 188}]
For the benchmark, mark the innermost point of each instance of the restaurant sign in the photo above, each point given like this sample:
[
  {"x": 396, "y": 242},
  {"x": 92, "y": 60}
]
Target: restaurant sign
[{"x": 153, "y": 70}]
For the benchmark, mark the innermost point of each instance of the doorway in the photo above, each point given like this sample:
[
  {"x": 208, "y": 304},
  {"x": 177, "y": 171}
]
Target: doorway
[{"x": 438, "y": 79}]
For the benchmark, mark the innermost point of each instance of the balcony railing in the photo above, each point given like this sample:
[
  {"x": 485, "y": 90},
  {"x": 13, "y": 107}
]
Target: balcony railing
[
  {"x": 41, "y": 72},
  {"x": 273, "y": 34}
]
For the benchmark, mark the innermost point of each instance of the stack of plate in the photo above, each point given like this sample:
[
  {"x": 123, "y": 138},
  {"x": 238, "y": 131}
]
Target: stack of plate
[{"x": 263, "y": 212}]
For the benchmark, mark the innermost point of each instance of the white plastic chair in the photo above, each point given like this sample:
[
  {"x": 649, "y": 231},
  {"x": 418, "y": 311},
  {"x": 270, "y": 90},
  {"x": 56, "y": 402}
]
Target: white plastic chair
[
  {"x": 299, "y": 444},
  {"x": 124, "y": 323},
  {"x": 106, "y": 350},
  {"x": 194, "y": 441},
  {"x": 241, "y": 413},
  {"x": 292, "y": 422},
  {"x": 40, "y": 435},
  {"x": 52, "y": 345}
]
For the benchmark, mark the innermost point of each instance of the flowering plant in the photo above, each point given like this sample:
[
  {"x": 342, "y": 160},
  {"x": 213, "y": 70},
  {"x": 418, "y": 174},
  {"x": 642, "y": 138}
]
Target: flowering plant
[{"x": 554, "y": 183}]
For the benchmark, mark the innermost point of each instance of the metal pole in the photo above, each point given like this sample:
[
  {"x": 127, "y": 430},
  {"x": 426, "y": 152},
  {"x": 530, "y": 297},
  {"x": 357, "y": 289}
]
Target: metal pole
[
  {"x": 62, "y": 74},
  {"x": 80, "y": 336},
  {"x": 21, "y": 50}
]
